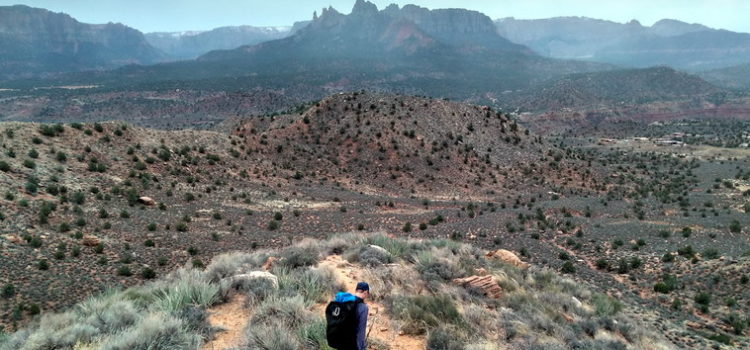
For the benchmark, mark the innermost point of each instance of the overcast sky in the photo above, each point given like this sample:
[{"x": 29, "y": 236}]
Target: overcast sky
[{"x": 179, "y": 15}]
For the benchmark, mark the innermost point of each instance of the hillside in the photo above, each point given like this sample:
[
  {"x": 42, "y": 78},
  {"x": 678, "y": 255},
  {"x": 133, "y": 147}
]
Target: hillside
[
  {"x": 630, "y": 87},
  {"x": 88, "y": 208},
  {"x": 673, "y": 43},
  {"x": 34, "y": 42},
  {"x": 190, "y": 45},
  {"x": 736, "y": 77},
  {"x": 396, "y": 144},
  {"x": 418, "y": 301}
]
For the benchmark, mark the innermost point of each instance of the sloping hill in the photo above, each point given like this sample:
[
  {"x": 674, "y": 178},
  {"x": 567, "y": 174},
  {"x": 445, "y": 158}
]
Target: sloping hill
[
  {"x": 36, "y": 41},
  {"x": 737, "y": 77},
  {"x": 616, "y": 88},
  {"x": 416, "y": 285},
  {"x": 394, "y": 143}
]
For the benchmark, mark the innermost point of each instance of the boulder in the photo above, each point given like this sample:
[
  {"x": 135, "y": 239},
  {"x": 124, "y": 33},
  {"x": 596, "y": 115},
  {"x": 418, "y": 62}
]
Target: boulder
[
  {"x": 147, "y": 201},
  {"x": 507, "y": 257},
  {"x": 91, "y": 241},
  {"x": 486, "y": 284},
  {"x": 379, "y": 249}
]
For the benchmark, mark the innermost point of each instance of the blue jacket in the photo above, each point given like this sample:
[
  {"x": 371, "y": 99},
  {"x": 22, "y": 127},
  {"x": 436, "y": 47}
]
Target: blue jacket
[{"x": 362, "y": 312}]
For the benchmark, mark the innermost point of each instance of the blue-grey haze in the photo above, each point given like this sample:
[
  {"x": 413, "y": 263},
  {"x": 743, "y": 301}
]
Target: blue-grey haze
[{"x": 181, "y": 15}]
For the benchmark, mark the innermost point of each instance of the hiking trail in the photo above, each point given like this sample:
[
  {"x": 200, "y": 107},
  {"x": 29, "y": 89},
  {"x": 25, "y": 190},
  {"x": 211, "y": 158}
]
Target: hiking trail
[{"x": 232, "y": 316}]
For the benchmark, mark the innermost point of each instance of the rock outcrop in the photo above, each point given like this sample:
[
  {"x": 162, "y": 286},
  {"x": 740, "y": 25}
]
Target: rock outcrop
[{"x": 486, "y": 284}]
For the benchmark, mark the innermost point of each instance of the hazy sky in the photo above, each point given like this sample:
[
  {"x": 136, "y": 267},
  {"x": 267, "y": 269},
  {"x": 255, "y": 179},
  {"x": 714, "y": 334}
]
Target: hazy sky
[{"x": 178, "y": 15}]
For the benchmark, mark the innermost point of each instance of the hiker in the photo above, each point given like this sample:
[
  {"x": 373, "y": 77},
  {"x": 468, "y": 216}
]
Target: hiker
[{"x": 346, "y": 318}]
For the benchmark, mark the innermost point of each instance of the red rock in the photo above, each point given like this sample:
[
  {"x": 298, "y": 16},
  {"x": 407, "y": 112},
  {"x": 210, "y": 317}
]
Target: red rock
[
  {"x": 487, "y": 284},
  {"x": 91, "y": 241}
]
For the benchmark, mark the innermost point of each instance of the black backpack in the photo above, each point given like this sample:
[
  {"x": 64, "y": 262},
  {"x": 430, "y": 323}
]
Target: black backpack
[{"x": 341, "y": 319}]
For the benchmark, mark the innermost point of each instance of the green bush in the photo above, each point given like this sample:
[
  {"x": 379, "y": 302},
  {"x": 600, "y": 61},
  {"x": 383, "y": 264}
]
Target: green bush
[
  {"x": 124, "y": 271},
  {"x": 148, "y": 273},
  {"x": 407, "y": 227},
  {"x": 568, "y": 267},
  {"x": 300, "y": 256},
  {"x": 605, "y": 305},
  {"x": 4, "y": 166},
  {"x": 445, "y": 338},
  {"x": 702, "y": 298},
  {"x": 273, "y": 225},
  {"x": 735, "y": 226},
  {"x": 8, "y": 291}
]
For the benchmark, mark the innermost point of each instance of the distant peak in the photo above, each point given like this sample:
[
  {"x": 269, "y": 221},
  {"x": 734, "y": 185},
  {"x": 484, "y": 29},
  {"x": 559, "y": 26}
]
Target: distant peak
[
  {"x": 634, "y": 22},
  {"x": 364, "y": 7}
]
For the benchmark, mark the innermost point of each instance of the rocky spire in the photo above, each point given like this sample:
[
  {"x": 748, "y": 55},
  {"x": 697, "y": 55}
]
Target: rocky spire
[{"x": 364, "y": 7}]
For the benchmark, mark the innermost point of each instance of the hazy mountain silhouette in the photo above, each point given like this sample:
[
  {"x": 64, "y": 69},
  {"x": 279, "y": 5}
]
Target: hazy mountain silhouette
[
  {"x": 36, "y": 41},
  {"x": 668, "y": 42}
]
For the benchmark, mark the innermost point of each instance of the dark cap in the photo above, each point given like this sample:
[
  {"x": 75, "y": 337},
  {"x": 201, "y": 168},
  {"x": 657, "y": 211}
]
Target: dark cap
[{"x": 363, "y": 286}]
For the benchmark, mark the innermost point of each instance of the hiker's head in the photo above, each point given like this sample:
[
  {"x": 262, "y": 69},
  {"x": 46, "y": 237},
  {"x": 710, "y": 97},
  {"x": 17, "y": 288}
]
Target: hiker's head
[{"x": 363, "y": 290}]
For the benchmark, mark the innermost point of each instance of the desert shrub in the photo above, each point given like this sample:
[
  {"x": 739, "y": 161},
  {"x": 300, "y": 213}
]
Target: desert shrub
[
  {"x": 667, "y": 285},
  {"x": 445, "y": 338},
  {"x": 737, "y": 323},
  {"x": 155, "y": 331},
  {"x": 256, "y": 289},
  {"x": 8, "y": 291},
  {"x": 227, "y": 265},
  {"x": 422, "y": 313},
  {"x": 271, "y": 337},
  {"x": 368, "y": 256},
  {"x": 605, "y": 305},
  {"x": 51, "y": 130},
  {"x": 711, "y": 254},
  {"x": 407, "y": 227},
  {"x": 735, "y": 226},
  {"x": 183, "y": 288},
  {"x": 315, "y": 285},
  {"x": 313, "y": 335},
  {"x": 436, "y": 269},
  {"x": 124, "y": 271},
  {"x": 602, "y": 264},
  {"x": 702, "y": 298},
  {"x": 273, "y": 225},
  {"x": 300, "y": 256},
  {"x": 148, "y": 273},
  {"x": 568, "y": 267},
  {"x": 397, "y": 247},
  {"x": 290, "y": 312},
  {"x": 4, "y": 166},
  {"x": 686, "y": 251}
]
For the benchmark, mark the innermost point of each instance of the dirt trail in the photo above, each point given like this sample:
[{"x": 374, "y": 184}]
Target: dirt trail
[
  {"x": 231, "y": 316},
  {"x": 380, "y": 326}
]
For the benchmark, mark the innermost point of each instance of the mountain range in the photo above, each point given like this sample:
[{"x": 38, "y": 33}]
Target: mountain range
[
  {"x": 680, "y": 45},
  {"x": 36, "y": 41},
  {"x": 447, "y": 53},
  {"x": 190, "y": 45}
]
